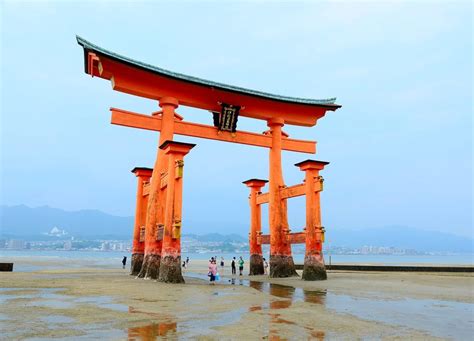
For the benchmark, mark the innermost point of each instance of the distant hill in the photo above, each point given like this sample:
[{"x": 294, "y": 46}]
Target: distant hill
[
  {"x": 24, "y": 221},
  {"x": 401, "y": 237},
  {"x": 217, "y": 237}
]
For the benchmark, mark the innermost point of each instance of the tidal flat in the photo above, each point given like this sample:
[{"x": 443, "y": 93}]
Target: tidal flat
[{"x": 79, "y": 300}]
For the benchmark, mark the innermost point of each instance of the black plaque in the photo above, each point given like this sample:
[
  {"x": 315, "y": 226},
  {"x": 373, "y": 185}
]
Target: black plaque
[{"x": 226, "y": 120}]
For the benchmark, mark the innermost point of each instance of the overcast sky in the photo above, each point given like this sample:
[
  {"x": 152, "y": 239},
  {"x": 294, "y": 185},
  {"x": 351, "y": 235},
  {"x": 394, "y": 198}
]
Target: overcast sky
[{"x": 400, "y": 147}]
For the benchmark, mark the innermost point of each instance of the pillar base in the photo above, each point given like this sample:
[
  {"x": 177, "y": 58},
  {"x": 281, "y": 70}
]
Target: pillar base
[
  {"x": 256, "y": 265},
  {"x": 282, "y": 266},
  {"x": 170, "y": 270},
  {"x": 314, "y": 268},
  {"x": 150, "y": 267},
  {"x": 136, "y": 264}
]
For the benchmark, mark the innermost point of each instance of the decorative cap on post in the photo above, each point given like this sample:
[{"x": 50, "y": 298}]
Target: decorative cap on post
[
  {"x": 255, "y": 183},
  {"x": 276, "y": 121},
  {"x": 142, "y": 171},
  {"x": 169, "y": 101},
  {"x": 170, "y": 146},
  {"x": 311, "y": 164}
]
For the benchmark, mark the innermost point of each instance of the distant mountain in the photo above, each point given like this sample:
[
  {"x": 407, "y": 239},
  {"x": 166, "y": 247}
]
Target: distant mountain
[
  {"x": 217, "y": 237},
  {"x": 24, "y": 221},
  {"x": 401, "y": 237}
]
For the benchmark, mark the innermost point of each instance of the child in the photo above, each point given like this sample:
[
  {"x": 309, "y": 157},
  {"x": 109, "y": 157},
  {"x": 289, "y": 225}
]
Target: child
[{"x": 212, "y": 271}]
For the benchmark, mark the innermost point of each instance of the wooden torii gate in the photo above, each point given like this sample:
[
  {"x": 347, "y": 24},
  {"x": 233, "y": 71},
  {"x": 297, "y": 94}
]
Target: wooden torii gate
[{"x": 156, "y": 250}]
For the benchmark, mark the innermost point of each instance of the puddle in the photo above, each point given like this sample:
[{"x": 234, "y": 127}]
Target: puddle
[
  {"x": 282, "y": 291},
  {"x": 194, "y": 327},
  {"x": 190, "y": 325},
  {"x": 51, "y": 304},
  {"x": 446, "y": 319},
  {"x": 47, "y": 297},
  {"x": 103, "y": 302},
  {"x": 56, "y": 319}
]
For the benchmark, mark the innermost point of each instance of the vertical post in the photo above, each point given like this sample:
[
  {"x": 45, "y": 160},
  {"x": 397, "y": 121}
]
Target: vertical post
[
  {"x": 314, "y": 268},
  {"x": 138, "y": 246},
  {"x": 154, "y": 219},
  {"x": 256, "y": 256},
  {"x": 281, "y": 260},
  {"x": 170, "y": 268}
]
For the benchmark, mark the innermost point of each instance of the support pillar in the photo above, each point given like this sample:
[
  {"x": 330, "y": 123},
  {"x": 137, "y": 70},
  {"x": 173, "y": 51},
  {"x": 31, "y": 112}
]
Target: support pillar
[
  {"x": 256, "y": 257},
  {"x": 170, "y": 268},
  {"x": 281, "y": 260},
  {"x": 156, "y": 199},
  {"x": 138, "y": 245},
  {"x": 314, "y": 268}
]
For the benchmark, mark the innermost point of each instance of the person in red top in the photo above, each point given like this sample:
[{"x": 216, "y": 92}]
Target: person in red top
[{"x": 213, "y": 270}]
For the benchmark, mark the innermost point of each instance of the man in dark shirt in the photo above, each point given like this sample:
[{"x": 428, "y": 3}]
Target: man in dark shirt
[{"x": 233, "y": 266}]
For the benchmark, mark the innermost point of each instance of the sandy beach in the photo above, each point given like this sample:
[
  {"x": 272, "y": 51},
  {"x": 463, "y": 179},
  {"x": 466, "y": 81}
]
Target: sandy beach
[{"x": 80, "y": 300}]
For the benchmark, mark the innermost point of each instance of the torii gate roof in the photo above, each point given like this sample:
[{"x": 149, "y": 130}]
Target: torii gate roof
[{"x": 145, "y": 80}]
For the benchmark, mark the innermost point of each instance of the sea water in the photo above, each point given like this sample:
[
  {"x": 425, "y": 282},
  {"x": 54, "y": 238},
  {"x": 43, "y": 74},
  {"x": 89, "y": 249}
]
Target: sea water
[{"x": 114, "y": 258}]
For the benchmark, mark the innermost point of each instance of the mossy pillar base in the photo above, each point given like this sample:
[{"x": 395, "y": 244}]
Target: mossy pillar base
[
  {"x": 136, "y": 265},
  {"x": 314, "y": 268},
  {"x": 282, "y": 266},
  {"x": 170, "y": 270},
  {"x": 151, "y": 267},
  {"x": 256, "y": 265}
]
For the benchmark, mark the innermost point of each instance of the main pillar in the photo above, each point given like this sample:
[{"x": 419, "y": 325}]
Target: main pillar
[
  {"x": 256, "y": 257},
  {"x": 281, "y": 260},
  {"x": 156, "y": 199},
  {"x": 138, "y": 246},
  {"x": 314, "y": 268},
  {"x": 170, "y": 268}
]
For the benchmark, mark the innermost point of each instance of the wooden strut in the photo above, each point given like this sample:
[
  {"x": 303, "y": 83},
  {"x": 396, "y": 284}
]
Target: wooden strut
[
  {"x": 141, "y": 121},
  {"x": 289, "y": 192},
  {"x": 293, "y": 238}
]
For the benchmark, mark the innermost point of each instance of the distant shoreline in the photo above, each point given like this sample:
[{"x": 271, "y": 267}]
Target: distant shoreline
[{"x": 110, "y": 258}]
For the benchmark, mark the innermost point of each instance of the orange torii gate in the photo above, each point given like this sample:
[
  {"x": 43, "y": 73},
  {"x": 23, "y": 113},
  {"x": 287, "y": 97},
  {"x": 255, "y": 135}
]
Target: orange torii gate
[{"x": 156, "y": 238}]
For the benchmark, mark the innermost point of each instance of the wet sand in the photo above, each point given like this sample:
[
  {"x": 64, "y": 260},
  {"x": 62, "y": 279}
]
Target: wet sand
[{"x": 77, "y": 300}]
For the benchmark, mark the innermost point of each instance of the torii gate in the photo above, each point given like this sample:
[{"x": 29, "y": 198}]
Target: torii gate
[{"x": 156, "y": 250}]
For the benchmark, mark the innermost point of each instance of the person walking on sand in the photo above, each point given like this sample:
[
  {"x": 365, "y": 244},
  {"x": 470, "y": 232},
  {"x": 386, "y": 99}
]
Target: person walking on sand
[
  {"x": 233, "y": 266},
  {"x": 265, "y": 266},
  {"x": 241, "y": 266},
  {"x": 212, "y": 271},
  {"x": 222, "y": 264},
  {"x": 124, "y": 262}
]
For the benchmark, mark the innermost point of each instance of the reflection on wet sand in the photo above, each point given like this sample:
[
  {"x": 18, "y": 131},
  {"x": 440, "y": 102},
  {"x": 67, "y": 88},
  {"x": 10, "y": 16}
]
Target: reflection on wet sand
[
  {"x": 291, "y": 295},
  {"x": 151, "y": 331},
  {"x": 154, "y": 330}
]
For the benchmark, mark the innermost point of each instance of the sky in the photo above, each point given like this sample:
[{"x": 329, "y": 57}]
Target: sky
[{"x": 400, "y": 148}]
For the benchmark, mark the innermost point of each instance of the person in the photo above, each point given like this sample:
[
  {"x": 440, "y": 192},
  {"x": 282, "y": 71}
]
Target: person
[
  {"x": 212, "y": 271},
  {"x": 184, "y": 264},
  {"x": 241, "y": 266},
  {"x": 222, "y": 263},
  {"x": 233, "y": 266},
  {"x": 265, "y": 266},
  {"x": 187, "y": 261},
  {"x": 124, "y": 261}
]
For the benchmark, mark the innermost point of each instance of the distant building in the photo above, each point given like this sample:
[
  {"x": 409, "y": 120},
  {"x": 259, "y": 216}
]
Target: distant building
[
  {"x": 15, "y": 244},
  {"x": 56, "y": 232},
  {"x": 67, "y": 245}
]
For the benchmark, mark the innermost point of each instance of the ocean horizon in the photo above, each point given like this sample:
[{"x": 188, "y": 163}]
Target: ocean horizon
[{"x": 112, "y": 258}]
